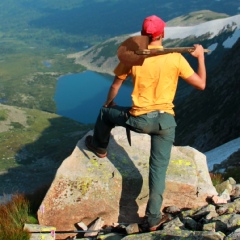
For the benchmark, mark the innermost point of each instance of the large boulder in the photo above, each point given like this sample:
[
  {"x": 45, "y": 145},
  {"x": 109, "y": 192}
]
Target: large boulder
[{"x": 115, "y": 188}]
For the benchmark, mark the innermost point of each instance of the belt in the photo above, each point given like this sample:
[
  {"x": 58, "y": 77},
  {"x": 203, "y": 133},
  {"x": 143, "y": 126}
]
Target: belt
[
  {"x": 157, "y": 111},
  {"x": 154, "y": 114}
]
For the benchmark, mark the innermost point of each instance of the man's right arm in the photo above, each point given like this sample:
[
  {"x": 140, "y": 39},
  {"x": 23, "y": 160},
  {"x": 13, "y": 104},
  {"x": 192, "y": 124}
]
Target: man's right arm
[
  {"x": 198, "y": 80},
  {"x": 113, "y": 91},
  {"x": 121, "y": 73}
]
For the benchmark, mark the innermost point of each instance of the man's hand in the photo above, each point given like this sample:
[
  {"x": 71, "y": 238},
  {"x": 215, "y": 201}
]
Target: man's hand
[
  {"x": 198, "y": 52},
  {"x": 111, "y": 104}
]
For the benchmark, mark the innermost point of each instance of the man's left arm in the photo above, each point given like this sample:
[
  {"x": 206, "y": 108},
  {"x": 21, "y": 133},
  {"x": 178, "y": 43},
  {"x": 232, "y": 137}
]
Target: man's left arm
[
  {"x": 113, "y": 91},
  {"x": 198, "y": 80}
]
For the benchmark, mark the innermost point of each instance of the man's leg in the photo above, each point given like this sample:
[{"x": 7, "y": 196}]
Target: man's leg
[
  {"x": 161, "y": 146},
  {"x": 107, "y": 119}
]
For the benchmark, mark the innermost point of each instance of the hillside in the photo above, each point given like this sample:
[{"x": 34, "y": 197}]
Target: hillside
[
  {"x": 211, "y": 118},
  {"x": 194, "y": 18},
  {"x": 32, "y": 146}
]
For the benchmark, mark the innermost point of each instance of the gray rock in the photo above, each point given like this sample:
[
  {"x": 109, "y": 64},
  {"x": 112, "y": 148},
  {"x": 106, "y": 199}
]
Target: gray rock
[
  {"x": 177, "y": 234},
  {"x": 233, "y": 222},
  {"x": 172, "y": 209},
  {"x": 222, "y": 209},
  {"x": 191, "y": 224},
  {"x": 204, "y": 211},
  {"x": 224, "y": 186},
  {"x": 210, "y": 227},
  {"x": 236, "y": 190},
  {"x": 173, "y": 224},
  {"x": 231, "y": 207},
  {"x": 212, "y": 214},
  {"x": 231, "y": 181},
  {"x": 225, "y": 195},
  {"x": 234, "y": 235},
  {"x": 224, "y": 223}
]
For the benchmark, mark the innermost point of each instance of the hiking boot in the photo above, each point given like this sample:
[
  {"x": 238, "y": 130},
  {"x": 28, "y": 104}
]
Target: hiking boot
[
  {"x": 144, "y": 226},
  {"x": 164, "y": 219},
  {"x": 100, "y": 152}
]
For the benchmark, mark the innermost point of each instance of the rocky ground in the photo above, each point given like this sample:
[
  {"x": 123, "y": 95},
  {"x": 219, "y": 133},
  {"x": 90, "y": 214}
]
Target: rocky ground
[{"x": 219, "y": 220}]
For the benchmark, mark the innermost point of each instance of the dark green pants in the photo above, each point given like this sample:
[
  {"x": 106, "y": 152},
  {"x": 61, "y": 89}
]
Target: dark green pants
[{"x": 161, "y": 128}]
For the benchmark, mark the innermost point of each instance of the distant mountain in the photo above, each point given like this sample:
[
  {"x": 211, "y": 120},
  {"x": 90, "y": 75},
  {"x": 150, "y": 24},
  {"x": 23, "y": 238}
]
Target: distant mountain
[
  {"x": 205, "y": 119},
  {"x": 194, "y": 18},
  {"x": 90, "y": 22}
]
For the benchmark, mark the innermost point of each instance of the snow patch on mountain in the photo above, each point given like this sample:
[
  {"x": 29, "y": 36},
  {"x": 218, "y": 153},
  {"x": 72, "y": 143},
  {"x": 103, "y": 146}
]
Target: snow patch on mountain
[
  {"x": 212, "y": 47},
  {"x": 214, "y": 28},
  {"x": 231, "y": 40},
  {"x": 221, "y": 153}
]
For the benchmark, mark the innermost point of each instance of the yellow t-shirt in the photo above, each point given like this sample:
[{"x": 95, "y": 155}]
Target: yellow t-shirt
[{"x": 155, "y": 82}]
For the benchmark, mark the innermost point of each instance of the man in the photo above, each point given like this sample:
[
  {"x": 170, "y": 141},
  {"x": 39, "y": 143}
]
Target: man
[{"x": 155, "y": 84}]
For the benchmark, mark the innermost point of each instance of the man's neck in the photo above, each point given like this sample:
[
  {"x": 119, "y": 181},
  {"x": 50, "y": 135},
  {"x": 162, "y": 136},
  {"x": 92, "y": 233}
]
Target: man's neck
[{"x": 156, "y": 43}]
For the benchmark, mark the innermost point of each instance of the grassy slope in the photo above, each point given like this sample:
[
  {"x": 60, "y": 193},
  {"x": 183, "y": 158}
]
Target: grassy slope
[
  {"x": 27, "y": 135},
  {"x": 33, "y": 143},
  {"x": 32, "y": 139},
  {"x": 26, "y": 81}
]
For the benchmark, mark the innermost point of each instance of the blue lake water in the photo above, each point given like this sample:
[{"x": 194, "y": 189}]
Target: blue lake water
[{"x": 80, "y": 96}]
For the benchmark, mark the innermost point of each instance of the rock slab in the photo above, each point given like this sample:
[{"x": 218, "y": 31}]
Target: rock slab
[{"x": 115, "y": 188}]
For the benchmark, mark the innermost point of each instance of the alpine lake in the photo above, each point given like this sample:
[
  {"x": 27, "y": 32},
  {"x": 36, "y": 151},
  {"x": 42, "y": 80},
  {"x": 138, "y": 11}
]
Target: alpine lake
[{"x": 80, "y": 96}]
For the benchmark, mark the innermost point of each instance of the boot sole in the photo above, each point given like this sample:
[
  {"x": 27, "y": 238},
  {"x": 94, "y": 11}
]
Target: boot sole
[
  {"x": 164, "y": 219},
  {"x": 90, "y": 147}
]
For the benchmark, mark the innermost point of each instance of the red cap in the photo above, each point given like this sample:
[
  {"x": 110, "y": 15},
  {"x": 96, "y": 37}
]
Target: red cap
[{"x": 153, "y": 26}]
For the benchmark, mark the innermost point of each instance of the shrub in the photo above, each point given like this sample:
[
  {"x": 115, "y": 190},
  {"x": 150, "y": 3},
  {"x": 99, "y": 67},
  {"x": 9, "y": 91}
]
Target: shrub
[
  {"x": 17, "y": 125},
  {"x": 216, "y": 178},
  {"x": 13, "y": 215},
  {"x": 3, "y": 114},
  {"x": 233, "y": 172},
  {"x": 19, "y": 210}
]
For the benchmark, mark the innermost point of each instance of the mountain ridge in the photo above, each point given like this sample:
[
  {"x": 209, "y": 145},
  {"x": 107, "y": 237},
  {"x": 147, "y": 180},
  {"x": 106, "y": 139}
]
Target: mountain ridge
[
  {"x": 102, "y": 57},
  {"x": 197, "y": 17}
]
